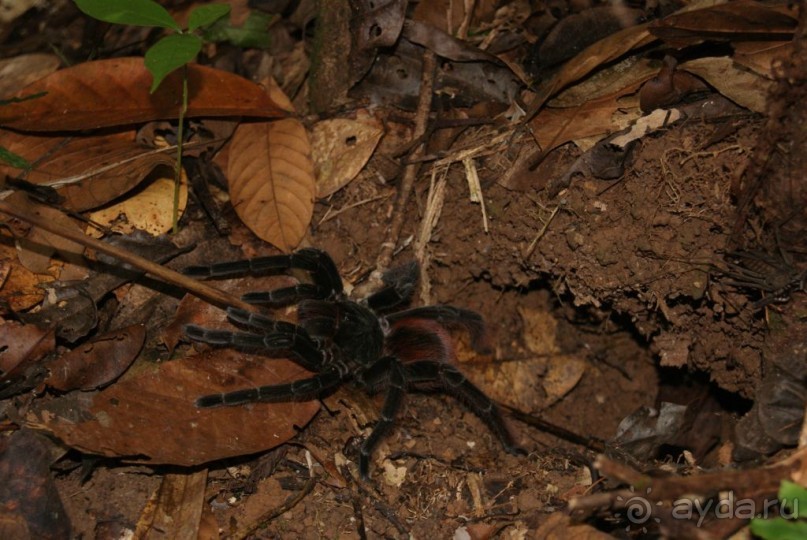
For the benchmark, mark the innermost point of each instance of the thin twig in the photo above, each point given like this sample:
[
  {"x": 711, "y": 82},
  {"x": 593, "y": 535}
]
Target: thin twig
[
  {"x": 411, "y": 170},
  {"x": 329, "y": 216},
  {"x": 197, "y": 288}
]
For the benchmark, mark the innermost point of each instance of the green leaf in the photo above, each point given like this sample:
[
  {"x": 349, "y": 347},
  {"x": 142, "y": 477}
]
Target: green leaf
[
  {"x": 13, "y": 159},
  {"x": 170, "y": 53},
  {"x": 779, "y": 529},
  {"x": 794, "y": 498},
  {"x": 253, "y": 33},
  {"x": 206, "y": 15},
  {"x": 134, "y": 12}
]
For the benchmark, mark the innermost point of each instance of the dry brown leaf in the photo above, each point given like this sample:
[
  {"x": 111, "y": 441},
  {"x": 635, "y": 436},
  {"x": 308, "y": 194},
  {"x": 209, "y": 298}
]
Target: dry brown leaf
[
  {"x": 96, "y": 169},
  {"x": 38, "y": 246},
  {"x": 340, "y": 148},
  {"x": 593, "y": 56},
  {"x": 272, "y": 183},
  {"x": 562, "y": 375},
  {"x": 22, "y": 345},
  {"x": 21, "y": 288},
  {"x": 98, "y": 362},
  {"x": 743, "y": 87},
  {"x": 762, "y": 56},
  {"x": 742, "y": 19},
  {"x": 115, "y": 92},
  {"x": 150, "y": 209},
  {"x": 152, "y": 416},
  {"x": 555, "y": 127}
]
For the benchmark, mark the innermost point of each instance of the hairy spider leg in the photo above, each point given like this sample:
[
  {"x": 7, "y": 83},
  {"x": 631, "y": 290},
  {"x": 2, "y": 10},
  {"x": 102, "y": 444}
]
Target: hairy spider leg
[
  {"x": 301, "y": 390},
  {"x": 449, "y": 317},
  {"x": 293, "y": 341},
  {"x": 399, "y": 286},
  {"x": 323, "y": 271},
  {"x": 387, "y": 372},
  {"x": 454, "y": 382}
]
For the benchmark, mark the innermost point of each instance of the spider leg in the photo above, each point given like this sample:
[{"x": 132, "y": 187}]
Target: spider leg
[
  {"x": 299, "y": 345},
  {"x": 324, "y": 274},
  {"x": 389, "y": 372},
  {"x": 262, "y": 323},
  {"x": 399, "y": 286},
  {"x": 301, "y": 390},
  {"x": 449, "y": 317},
  {"x": 453, "y": 381}
]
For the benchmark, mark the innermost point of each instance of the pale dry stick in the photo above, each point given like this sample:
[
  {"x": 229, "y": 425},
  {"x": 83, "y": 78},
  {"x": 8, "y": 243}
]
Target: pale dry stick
[
  {"x": 410, "y": 172},
  {"x": 197, "y": 288},
  {"x": 541, "y": 233},
  {"x": 329, "y": 216},
  {"x": 434, "y": 207}
]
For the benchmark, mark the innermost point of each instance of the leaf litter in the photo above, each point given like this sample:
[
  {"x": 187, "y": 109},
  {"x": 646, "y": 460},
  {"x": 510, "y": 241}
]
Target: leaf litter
[{"x": 633, "y": 263}]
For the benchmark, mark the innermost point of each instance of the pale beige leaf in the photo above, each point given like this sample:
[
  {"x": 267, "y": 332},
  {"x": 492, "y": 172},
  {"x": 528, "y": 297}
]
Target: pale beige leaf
[
  {"x": 150, "y": 209},
  {"x": 272, "y": 184},
  {"x": 736, "y": 83},
  {"x": 22, "y": 70},
  {"x": 340, "y": 148},
  {"x": 761, "y": 56}
]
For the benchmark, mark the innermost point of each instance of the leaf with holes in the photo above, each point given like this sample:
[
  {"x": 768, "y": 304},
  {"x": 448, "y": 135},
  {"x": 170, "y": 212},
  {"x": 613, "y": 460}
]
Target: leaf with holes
[
  {"x": 341, "y": 148},
  {"x": 272, "y": 184}
]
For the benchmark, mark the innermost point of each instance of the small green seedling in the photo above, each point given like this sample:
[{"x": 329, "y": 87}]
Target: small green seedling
[
  {"x": 792, "y": 523},
  {"x": 170, "y": 53}
]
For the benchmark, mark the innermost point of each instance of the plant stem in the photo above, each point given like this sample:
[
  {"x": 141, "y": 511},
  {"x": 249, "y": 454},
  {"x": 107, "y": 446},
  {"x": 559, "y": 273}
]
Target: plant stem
[{"x": 180, "y": 140}]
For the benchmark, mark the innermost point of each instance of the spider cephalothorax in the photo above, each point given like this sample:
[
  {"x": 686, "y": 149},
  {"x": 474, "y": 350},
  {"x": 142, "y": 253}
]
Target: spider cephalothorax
[{"x": 367, "y": 342}]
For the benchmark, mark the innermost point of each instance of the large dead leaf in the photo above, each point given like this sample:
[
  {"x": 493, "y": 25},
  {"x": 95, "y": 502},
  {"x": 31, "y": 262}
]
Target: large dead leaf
[
  {"x": 116, "y": 92},
  {"x": 272, "y": 184},
  {"x": 341, "y": 147},
  {"x": 152, "y": 416},
  {"x": 92, "y": 170}
]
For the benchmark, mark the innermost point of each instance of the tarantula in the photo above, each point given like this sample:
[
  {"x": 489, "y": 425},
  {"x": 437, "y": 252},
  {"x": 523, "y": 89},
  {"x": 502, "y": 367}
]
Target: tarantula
[{"x": 367, "y": 342}]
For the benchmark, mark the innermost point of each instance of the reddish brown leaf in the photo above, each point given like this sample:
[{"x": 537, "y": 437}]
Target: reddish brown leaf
[
  {"x": 98, "y": 362},
  {"x": 152, "y": 416},
  {"x": 116, "y": 92},
  {"x": 272, "y": 184},
  {"x": 22, "y": 344},
  {"x": 101, "y": 167}
]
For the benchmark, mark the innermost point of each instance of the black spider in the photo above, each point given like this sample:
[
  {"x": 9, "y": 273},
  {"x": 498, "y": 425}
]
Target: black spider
[{"x": 366, "y": 342}]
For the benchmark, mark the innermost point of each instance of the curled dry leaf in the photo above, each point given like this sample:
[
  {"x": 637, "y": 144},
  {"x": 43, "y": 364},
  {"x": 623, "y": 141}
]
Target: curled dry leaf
[
  {"x": 150, "y": 209},
  {"x": 98, "y": 362},
  {"x": 152, "y": 416},
  {"x": 94, "y": 169},
  {"x": 272, "y": 184},
  {"x": 340, "y": 148},
  {"x": 115, "y": 92}
]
